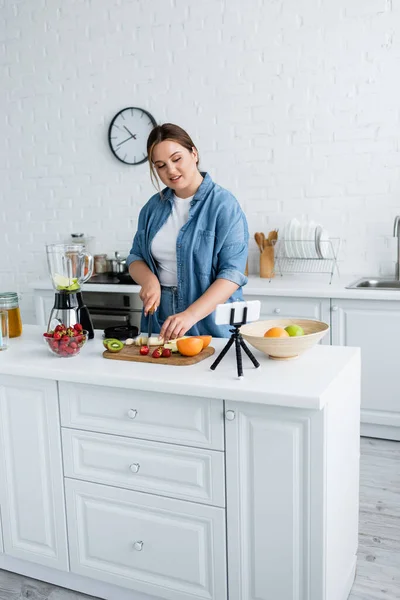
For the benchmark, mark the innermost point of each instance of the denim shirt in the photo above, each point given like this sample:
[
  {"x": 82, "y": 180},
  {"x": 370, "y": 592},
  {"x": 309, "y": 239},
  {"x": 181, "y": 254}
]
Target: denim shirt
[{"x": 211, "y": 245}]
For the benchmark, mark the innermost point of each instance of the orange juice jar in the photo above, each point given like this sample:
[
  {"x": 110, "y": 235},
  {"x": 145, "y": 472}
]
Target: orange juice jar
[{"x": 9, "y": 302}]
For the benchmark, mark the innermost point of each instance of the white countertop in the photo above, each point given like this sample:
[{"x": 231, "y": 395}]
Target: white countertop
[
  {"x": 303, "y": 286},
  {"x": 299, "y": 383}
]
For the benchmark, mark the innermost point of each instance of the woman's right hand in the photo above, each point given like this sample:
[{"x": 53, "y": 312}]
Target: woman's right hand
[{"x": 150, "y": 294}]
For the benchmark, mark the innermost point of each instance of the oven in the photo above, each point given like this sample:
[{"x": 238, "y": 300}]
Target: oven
[{"x": 113, "y": 309}]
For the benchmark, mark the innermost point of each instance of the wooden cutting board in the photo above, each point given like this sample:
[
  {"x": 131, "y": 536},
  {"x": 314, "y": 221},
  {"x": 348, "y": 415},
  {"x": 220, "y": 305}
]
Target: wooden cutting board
[{"x": 132, "y": 353}]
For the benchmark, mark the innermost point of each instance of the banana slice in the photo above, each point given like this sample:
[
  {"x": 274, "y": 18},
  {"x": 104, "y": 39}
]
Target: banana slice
[{"x": 143, "y": 340}]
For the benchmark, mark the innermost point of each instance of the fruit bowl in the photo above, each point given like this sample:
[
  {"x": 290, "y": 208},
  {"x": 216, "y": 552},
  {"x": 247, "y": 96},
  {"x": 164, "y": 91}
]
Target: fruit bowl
[
  {"x": 66, "y": 346},
  {"x": 284, "y": 348}
]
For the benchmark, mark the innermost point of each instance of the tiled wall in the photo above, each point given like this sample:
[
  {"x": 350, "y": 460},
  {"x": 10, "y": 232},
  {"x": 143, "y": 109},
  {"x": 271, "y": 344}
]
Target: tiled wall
[{"x": 294, "y": 106}]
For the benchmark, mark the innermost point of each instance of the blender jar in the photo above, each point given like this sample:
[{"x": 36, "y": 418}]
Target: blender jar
[{"x": 69, "y": 266}]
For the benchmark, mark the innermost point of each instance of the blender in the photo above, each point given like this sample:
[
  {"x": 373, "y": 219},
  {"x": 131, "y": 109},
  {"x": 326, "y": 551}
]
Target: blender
[{"x": 69, "y": 266}]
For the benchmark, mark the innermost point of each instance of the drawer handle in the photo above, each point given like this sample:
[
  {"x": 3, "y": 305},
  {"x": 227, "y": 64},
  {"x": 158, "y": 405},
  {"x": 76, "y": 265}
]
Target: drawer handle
[
  {"x": 132, "y": 413},
  {"x": 335, "y": 307},
  {"x": 138, "y": 546},
  {"x": 135, "y": 467},
  {"x": 277, "y": 311},
  {"x": 230, "y": 415}
]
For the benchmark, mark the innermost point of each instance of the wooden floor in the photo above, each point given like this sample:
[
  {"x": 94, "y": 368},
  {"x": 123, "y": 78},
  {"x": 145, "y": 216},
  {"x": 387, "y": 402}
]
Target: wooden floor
[{"x": 378, "y": 566}]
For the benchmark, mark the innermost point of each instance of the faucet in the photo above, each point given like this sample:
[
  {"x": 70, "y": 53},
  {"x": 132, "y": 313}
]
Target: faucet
[{"x": 396, "y": 233}]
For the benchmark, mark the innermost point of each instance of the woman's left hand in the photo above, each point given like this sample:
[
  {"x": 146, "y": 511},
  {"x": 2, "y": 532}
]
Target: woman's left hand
[{"x": 177, "y": 325}]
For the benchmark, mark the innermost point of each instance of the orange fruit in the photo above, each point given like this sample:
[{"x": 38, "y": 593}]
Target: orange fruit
[
  {"x": 189, "y": 346},
  {"x": 206, "y": 339},
  {"x": 276, "y": 332}
]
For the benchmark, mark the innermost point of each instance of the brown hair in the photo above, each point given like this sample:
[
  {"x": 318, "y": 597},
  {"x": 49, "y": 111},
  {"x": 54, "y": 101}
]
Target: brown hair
[{"x": 160, "y": 133}]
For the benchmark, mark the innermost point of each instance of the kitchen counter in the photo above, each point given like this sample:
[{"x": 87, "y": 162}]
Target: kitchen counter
[
  {"x": 303, "y": 286},
  {"x": 156, "y": 482},
  {"x": 300, "y": 383}
]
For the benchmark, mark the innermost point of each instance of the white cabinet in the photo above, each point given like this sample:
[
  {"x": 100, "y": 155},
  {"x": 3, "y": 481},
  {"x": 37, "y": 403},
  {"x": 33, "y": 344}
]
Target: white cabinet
[
  {"x": 140, "y": 414},
  {"x": 163, "y": 469},
  {"x": 284, "y": 508},
  {"x": 1, "y": 535},
  {"x": 44, "y": 302},
  {"x": 275, "y": 307},
  {"x": 159, "y": 546},
  {"x": 374, "y": 326},
  {"x": 31, "y": 478}
]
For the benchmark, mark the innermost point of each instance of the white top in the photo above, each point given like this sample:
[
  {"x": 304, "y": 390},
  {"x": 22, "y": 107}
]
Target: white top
[
  {"x": 163, "y": 247},
  {"x": 301, "y": 383}
]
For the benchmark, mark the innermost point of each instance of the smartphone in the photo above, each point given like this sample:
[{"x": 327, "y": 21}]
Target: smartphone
[{"x": 223, "y": 312}]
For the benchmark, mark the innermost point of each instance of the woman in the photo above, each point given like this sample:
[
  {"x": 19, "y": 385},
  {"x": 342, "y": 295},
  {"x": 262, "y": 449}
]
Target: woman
[{"x": 190, "y": 250}]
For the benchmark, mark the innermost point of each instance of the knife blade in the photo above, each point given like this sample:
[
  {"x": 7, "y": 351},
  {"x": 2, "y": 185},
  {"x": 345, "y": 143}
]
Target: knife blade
[{"x": 150, "y": 320}]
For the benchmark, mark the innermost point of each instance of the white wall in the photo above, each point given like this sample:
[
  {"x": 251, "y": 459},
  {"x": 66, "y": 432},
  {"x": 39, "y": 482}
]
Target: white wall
[{"x": 294, "y": 106}]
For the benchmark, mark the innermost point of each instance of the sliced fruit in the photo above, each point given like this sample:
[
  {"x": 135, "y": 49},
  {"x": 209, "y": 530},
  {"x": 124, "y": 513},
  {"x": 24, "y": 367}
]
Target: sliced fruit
[
  {"x": 114, "y": 345},
  {"x": 172, "y": 344},
  {"x": 157, "y": 353},
  {"x": 106, "y": 340},
  {"x": 166, "y": 353},
  {"x": 206, "y": 339},
  {"x": 144, "y": 350},
  {"x": 61, "y": 281},
  {"x": 154, "y": 340},
  {"x": 189, "y": 346}
]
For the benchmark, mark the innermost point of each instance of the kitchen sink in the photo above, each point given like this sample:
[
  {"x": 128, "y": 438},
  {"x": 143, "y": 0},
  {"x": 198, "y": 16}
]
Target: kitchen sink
[{"x": 374, "y": 283}]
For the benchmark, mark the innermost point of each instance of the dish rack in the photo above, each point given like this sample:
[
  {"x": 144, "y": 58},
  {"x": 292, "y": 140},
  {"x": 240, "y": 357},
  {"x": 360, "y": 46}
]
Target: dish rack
[{"x": 302, "y": 256}]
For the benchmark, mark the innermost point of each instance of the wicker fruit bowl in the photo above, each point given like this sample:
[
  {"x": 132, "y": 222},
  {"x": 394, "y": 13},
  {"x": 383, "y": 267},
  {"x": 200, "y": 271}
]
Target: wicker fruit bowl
[{"x": 284, "y": 348}]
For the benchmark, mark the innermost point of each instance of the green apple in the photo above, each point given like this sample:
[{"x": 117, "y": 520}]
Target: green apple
[{"x": 294, "y": 330}]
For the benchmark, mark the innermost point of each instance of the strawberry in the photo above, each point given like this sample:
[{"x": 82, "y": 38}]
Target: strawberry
[
  {"x": 157, "y": 353},
  {"x": 166, "y": 353},
  {"x": 144, "y": 350},
  {"x": 57, "y": 336},
  {"x": 78, "y": 327}
]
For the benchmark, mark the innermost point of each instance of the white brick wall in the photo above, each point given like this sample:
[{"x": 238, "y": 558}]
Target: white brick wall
[{"x": 294, "y": 106}]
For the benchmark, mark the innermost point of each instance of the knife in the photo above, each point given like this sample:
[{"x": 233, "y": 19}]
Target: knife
[{"x": 150, "y": 320}]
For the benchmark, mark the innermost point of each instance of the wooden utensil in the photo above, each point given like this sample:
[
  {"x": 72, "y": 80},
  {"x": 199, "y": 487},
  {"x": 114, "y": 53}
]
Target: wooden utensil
[
  {"x": 267, "y": 262},
  {"x": 258, "y": 239}
]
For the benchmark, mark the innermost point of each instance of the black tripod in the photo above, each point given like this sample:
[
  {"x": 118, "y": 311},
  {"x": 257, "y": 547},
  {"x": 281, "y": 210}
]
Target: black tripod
[{"x": 239, "y": 343}]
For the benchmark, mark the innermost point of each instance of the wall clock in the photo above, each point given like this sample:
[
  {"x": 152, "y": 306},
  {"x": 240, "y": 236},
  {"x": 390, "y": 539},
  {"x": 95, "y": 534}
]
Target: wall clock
[{"x": 128, "y": 133}]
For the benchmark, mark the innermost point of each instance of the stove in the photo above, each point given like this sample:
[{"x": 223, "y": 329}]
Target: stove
[{"x": 111, "y": 279}]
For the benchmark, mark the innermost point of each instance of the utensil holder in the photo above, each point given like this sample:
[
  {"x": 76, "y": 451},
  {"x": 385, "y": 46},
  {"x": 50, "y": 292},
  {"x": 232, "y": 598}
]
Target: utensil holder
[{"x": 267, "y": 262}]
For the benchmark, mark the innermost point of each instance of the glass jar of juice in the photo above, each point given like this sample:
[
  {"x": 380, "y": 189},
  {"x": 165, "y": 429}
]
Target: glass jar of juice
[{"x": 9, "y": 302}]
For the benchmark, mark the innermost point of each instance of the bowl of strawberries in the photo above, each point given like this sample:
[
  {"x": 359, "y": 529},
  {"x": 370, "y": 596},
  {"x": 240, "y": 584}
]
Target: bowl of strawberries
[{"x": 66, "y": 342}]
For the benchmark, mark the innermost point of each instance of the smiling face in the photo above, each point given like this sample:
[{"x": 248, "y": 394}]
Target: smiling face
[{"x": 177, "y": 167}]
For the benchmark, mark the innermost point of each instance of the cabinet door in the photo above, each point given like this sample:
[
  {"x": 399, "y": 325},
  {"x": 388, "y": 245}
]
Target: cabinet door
[
  {"x": 167, "y": 548},
  {"x": 275, "y": 528},
  {"x": 44, "y": 302},
  {"x": 31, "y": 489},
  {"x": 374, "y": 326},
  {"x": 1, "y": 533},
  {"x": 275, "y": 307}
]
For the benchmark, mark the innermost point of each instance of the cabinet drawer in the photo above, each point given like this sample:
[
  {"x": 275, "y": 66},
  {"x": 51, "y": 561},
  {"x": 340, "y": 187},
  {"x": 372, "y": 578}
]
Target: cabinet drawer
[
  {"x": 184, "y": 420},
  {"x": 273, "y": 307},
  {"x": 164, "y": 469},
  {"x": 169, "y": 548}
]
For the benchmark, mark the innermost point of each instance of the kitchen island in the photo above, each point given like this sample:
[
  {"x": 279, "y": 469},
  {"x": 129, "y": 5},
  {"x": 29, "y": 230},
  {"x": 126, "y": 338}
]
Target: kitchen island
[{"x": 144, "y": 481}]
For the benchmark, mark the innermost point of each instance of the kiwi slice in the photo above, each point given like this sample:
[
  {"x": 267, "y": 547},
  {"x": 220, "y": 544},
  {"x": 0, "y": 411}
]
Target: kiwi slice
[
  {"x": 106, "y": 340},
  {"x": 114, "y": 345}
]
